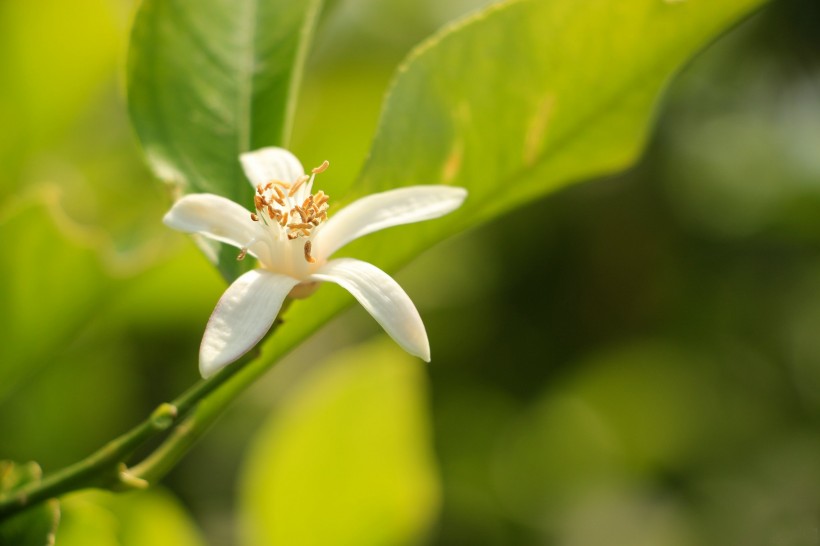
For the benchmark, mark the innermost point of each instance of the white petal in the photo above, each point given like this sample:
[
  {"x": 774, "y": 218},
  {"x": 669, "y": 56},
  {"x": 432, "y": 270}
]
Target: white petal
[
  {"x": 383, "y": 298},
  {"x": 213, "y": 216},
  {"x": 243, "y": 315},
  {"x": 266, "y": 164},
  {"x": 383, "y": 210}
]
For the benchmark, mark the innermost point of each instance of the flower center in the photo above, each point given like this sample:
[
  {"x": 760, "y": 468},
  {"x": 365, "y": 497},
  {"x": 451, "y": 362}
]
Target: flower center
[{"x": 291, "y": 208}]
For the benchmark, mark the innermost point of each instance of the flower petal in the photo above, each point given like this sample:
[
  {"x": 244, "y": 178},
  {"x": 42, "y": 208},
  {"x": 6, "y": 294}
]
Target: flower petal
[
  {"x": 267, "y": 164},
  {"x": 383, "y": 298},
  {"x": 212, "y": 216},
  {"x": 243, "y": 315},
  {"x": 383, "y": 210}
]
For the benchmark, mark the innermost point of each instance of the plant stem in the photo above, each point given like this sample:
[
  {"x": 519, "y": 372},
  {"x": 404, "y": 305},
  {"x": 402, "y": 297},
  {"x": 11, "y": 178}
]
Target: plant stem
[
  {"x": 106, "y": 467},
  {"x": 188, "y": 416},
  {"x": 102, "y": 468},
  {"x": 177, "y": 444}
]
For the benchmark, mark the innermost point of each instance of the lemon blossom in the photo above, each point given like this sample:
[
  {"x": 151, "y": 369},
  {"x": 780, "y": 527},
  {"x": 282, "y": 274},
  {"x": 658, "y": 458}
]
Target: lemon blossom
[{"x": 292, "y": 237}]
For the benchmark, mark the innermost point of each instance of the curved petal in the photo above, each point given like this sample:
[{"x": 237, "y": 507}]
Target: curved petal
[
  {"x": 383, "y": 298},
  {"x": 212, "y": 216},
  {"x": 383, "y": 210},
  {"x": 243, "y": 315},
  {"x": 266, "y": 164}
]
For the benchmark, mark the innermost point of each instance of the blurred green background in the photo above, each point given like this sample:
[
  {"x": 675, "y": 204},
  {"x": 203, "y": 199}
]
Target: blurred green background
[{"x": 633, "y": 361}]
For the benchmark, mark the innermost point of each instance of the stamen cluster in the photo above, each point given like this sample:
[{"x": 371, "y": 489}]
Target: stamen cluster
[{"x": 279, "y": 202}]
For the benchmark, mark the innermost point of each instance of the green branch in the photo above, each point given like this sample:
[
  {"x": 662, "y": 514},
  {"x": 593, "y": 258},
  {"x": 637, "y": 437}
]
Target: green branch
[{"x": 107, "y": 469}]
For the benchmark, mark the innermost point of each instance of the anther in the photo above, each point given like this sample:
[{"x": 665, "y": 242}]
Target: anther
[
  {"x": 300, "y": 226},
  {"x": 308, "y": 257},
  {"x": 279, "y": 192},
  {"x": 321, "y": 198},
  {"x": 300, "y": 212},
  {"x": 321, "y": 168},
  {"x": 254, "y": 217},
  {"x": 242, "y": 253}
]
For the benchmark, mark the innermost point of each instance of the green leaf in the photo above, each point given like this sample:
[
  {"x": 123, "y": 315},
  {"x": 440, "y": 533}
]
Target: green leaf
[
  {"x": 346, "y": 458},
  {"x": 210, "y": 79},
  {"x": 572, "y": 99},
  {"x": 96, "y": 518},
  {"x": 35, "y": 526}
]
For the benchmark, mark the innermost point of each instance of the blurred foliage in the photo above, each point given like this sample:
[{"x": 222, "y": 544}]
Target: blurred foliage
[
  {"x": 631, "y": 361},
  {"x": 34, "y": 527},
  {"x": 345, "y": 459},
  {"x": 133, "y": 519}
]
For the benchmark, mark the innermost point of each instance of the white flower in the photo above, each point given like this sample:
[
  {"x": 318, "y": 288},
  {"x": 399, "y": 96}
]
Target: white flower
[{"x": 292, "y": 238}]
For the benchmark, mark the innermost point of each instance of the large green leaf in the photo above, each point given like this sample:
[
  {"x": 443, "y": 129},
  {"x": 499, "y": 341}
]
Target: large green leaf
[
  {"x": 346, "y": 458},
  {"x": 533, "y": 94},
  {"x": 513, "y": 103},
  {"x": 210, "y": 79}
]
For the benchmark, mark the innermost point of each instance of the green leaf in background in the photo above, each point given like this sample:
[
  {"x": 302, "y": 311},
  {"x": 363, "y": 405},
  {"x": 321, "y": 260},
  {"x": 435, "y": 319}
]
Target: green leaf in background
[
  {"x": 141, "y": 518},
  {"x": 593, "y": 430},
  {"x": 44, "y": 254},
  {"x": 346, "y": 459},
  {"x": 208, "y": 80},
  {"x": 54, "y": 56},
  {"x": 37, "y": 525}
]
